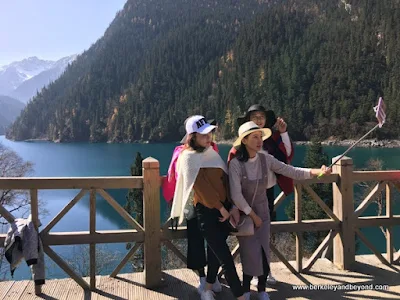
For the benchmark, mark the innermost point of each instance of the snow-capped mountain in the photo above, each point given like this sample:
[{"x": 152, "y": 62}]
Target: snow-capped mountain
[{"x": 22, "y": 79}]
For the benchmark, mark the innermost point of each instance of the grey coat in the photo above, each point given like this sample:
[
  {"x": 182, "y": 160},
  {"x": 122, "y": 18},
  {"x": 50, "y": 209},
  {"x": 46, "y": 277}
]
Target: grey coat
[{"x": 23, "y": 241}]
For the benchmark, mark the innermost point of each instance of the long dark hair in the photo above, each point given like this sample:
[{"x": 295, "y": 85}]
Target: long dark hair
[
  {"x": 193, "y": 145},
  {"x": 242, "y": 154}
]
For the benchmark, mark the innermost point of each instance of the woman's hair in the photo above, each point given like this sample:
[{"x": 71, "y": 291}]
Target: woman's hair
[
  {"x": 242, "y": 154},
  {"x": 193, "y": 145}
]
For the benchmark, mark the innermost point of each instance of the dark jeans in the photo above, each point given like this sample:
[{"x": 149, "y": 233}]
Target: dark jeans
[
  {"x": 216, "y": 233},
  {"x": 271, "y": 199},
  {"x": 196, "y": 252},
  {"x": 261, "y": 279}
]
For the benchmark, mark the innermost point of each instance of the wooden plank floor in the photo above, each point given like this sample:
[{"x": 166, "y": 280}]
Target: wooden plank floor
[{"x": 181, "y": 284}]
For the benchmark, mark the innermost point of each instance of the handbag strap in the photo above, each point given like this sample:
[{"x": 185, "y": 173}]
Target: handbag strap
[
  {"x": 255, "y": 192},
  {"x": 258, "y": 179},
  {"x": 244, "y": 172}
]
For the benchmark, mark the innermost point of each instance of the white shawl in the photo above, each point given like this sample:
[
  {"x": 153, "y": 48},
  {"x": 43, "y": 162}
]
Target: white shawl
[{"x": 188, "y": 166}]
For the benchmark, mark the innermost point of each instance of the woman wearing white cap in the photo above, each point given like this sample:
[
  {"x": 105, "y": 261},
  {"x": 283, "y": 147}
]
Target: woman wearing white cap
[
  {"x": 248, "y": 178},
  {"x": 201, "y": 169},
  {"x": 196, "y": 253}
]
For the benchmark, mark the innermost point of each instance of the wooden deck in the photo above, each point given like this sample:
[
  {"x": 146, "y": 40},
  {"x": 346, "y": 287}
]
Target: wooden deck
[{"x": 181, "y": 284}]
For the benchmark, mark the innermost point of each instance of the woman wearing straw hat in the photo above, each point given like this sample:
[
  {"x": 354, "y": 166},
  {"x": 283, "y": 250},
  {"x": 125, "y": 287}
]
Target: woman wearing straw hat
[
  {"x": 196, "y": 252},
  {"x": 279, "y": 146},
  {"x": 201, "y": 169},
  {"x": 248, "y": 179}
]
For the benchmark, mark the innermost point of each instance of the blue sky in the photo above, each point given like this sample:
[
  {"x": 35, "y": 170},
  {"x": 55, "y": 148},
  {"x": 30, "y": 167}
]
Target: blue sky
[{"x": 51, "y": 29}]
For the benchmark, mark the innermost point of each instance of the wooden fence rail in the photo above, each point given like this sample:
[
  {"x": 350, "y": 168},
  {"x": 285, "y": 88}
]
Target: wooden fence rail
[{"x": 343, "y": 222}]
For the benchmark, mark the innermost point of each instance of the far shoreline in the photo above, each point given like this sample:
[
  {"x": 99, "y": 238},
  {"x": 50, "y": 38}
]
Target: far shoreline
[{"x": 367, "y": 143}]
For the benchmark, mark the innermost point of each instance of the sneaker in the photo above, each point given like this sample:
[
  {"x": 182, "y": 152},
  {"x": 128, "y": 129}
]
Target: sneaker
[
  {"x": 217, "y": 287},
  {"x": 202, "y": 285},
  {"x": 246, "y": 296},
  {"x": 270, "y": 279},
  {"x": 254, "y": 281},
  {"x": 207, "y": 295},
  {"x": 263, "y": 296}
]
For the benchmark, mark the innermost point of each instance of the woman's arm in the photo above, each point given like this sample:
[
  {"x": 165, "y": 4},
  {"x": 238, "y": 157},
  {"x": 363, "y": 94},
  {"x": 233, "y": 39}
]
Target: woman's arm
[
  {"x": 293, "y": 172},
  {"x": 287, "y": 143}
]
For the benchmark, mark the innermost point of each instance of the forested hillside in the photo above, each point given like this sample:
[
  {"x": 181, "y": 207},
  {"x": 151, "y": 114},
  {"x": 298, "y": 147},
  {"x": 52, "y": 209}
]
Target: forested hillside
[{"x": 320, "y": 64}]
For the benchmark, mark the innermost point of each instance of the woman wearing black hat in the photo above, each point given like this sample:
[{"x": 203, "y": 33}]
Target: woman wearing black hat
[{"x": 279, "y": 146}]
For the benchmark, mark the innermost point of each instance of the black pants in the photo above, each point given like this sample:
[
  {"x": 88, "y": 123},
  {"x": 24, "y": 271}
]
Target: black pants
[
  {"x": 271, "y": 199},
  {"x": 216, "y": 233},
  {"x": 196, "y": 252},
  {"x": 261, "y": 279}
]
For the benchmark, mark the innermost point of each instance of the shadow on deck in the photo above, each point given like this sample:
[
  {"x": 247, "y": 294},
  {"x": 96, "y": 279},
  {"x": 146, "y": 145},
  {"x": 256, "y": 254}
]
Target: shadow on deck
[{"x": 182, "y": 284}]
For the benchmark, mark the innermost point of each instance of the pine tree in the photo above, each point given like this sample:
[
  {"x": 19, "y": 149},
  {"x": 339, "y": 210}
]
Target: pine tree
[
  {"x": 134, "y": 206},
  {"x": 134, "y": 199}
]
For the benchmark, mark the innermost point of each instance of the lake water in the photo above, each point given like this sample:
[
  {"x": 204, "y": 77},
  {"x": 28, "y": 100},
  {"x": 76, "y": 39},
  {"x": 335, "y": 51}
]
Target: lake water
[{"x": 85, "y": 159}]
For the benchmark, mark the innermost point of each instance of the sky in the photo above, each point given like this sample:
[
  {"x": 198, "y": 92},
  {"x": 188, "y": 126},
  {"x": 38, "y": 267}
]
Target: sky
[{"x": 52, "y": 29}]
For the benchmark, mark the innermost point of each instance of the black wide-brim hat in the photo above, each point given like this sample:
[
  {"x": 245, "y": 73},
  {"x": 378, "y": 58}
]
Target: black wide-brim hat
[{"x": 269, "y": 115}]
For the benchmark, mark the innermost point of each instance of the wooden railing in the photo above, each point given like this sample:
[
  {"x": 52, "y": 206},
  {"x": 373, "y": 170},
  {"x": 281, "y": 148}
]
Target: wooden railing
[
  {"x": 150, "y": 238},
  {"x": 343, "y": 223}
]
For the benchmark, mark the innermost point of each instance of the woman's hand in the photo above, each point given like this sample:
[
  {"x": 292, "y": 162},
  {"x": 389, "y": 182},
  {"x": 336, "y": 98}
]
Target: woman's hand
[
  {"x": 281, "y": 124},
  {"x": 235, "y": 215},
  {"x": 324, "y": 170},
  {"x": 256, "y": 219},
  {"x": 225, "y": 214}
]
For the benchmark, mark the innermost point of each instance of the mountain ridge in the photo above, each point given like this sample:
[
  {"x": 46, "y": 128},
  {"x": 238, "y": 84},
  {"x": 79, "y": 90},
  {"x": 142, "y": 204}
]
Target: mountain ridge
[
  {"x": 22, "y": 79},
  {"x": 9, "y": 110},
  {"x": 321, "y": 65}
]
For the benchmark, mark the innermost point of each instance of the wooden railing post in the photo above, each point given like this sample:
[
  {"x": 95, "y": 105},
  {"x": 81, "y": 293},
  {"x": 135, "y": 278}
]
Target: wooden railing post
[
  {"x": 298, "y": 219},
  {"x": 343, "y": 208},
  {"x": 92, "y": 246},
  {"x": 151, "y": 220},
  {"x": 389, "y": 229},
  {"x": 35, "y": 220}
]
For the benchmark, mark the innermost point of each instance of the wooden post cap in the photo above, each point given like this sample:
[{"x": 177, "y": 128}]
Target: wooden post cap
[
  {"x": 344, "y": 161},
  {"x": 150, "y": 163}
]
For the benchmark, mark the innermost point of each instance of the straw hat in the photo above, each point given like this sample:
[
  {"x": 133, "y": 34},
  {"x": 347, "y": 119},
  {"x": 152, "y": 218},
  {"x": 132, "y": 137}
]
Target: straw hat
[{"x": 248, "y": 128}]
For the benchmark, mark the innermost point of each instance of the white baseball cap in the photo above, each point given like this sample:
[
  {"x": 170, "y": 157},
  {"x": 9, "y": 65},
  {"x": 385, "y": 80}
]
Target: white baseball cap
[{"x": 197, "y": 124}]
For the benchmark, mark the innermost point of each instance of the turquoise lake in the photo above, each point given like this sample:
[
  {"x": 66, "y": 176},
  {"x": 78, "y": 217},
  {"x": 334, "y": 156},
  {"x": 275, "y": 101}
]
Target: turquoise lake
[{"x": 85, "y": 159}]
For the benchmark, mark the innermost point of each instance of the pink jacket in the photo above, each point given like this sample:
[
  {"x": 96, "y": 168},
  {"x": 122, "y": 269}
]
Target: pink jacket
[{"x": 169, "y": 183}]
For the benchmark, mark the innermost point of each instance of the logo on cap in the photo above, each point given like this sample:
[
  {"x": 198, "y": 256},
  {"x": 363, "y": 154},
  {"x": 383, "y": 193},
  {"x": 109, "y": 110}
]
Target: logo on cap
[{"x": 201, "y": 123}]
